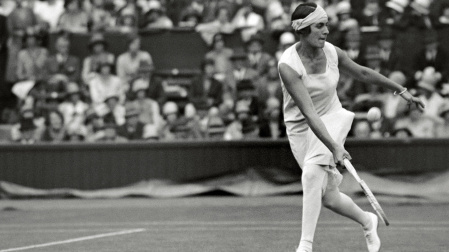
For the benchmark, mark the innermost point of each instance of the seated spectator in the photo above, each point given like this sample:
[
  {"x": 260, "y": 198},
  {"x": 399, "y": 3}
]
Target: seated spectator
[
  {"x": 31, "y": 61},
  {"x": 206, "y": 89},
  {"x": 110, "y": 134},
  {"x": 97, "y": 56},
  {"x": 392, "y": 15},
  {"x": 149, "y": 112},
  {"x": 433, "y": 55},
  {"x": 27, "y": 131},
  {"x": 133, "y": 128},
  {"x": 286, "y": 40},
  {"x": 20, "y": 20},
  {"x": 246, "y": 93},
  {"x": 155, "y": 90},
  {"x": 244, "y": 127},
  {"x": 55, "y": 131},
  {"x": 49, "y": 12},
  {"x": 394, "y": 105},
  {"x": 128, "y": 20},
  {"x": 418, "y": 124},
  {"x": 241, "y": 71},
  {"x": 105, "y": 85},
  {"x": 94, "y": 125},
  {"x": 76, "y": 135},
  {"x": 215, "y": 126},
  {"x": 74, "y": 19},
  {"x": 402, "y": 133},
  {"x": 128, "y": 62},
  {"x": 248, "y": 22},
  {"x": 258, "y": 59},
  {"x": 47, "y": 95},
  {"x": 276, "y": 18},
  {"x": 345, "y": 21},
  {"x": 221, "y": 24},
  {"x": 114, "y": 110},
  {"x": 73, "y": 108},
  {"x": 190, "y": 18},
  {"x": 269, "y": 85},
  {"x": 442, "y": 20},
  {"x": 370, "y": 14},
  {"x": 269, "y": 126},
  {"x": 62, "y": 62},
  {"x": 420, "y": 14},
  {"x": 442, "y": 130},
  {"x": 155, "y": 18},
  {"x": 361, "y": 129},
  {"x": 100, "y": 20},
  {"x": 389, "y": 57},
  {"x": 427, "y": 92},
  {"x": 221, "y": 55}
]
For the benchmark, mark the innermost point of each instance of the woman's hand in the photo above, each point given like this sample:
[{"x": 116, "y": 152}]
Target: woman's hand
[
  {"x": 340, "y": 154},
  {"x": 412, "y": 100}
]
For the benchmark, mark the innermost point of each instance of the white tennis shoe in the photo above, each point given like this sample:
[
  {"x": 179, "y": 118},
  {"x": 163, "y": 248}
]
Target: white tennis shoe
[{"x": 372, "y": 239}]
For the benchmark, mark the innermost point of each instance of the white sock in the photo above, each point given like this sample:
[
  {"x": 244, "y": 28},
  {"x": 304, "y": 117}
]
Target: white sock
[{"x": 305, "y": 246}]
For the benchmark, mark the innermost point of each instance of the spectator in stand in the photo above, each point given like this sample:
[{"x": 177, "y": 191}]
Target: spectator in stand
[
  {"x": 128, "y": 62},
  {"x": 114, "y": 109},
  {"x": 221, "y": 55},
  {"x": 31, "y": 123},
  {"x": 133, "y": 128},
  {"x": 420, "y": 14},
  {"x": 103, "y": 85},
  {"x": 129, "y": 17},
  {"x": 74, "y": 19},
  {"x": 241, "y": 71},
  {"x": 155, "y": 18},
  {"x": 269, "y": 125},
  {"x": 345, "y": 21},
  {"x": 62, "y": 62},
  {"x": 388, "y": 56},
  {"x": 402, "y": 133},
  {"x": 46, "y": 95},
  {"x": 31, "y": 62},
  {"x": 432, "y": 55},
  {"x": 258, "y": 59},
  {"x": 100, "y": 19},
  {"x": 269, "y": 85},
  {"x": 190, "y": 18},
  {"x": 442, "y": 130},
  {"x": 205, "y": 89},
  {"x": 370, "y": 14},
  {"x": 155, "y": 90},
  {"x": 393, "y": 105},
  {"x": 286, "y": 40},
  {"x": 27, "y": 131},
  {"x": 149, "y": 111},
  {"x": 221, "y": 24},
  {"x": 94, "y": 126},
  {"x": 170, "y": 113},
  {"x": 98, "y": 55},
  {"x": 19, "y": 21},
  {"x": 427, "y": 92},
  {"x": 361, "y": 129},
  {"x": 49, "y": 12},
  {"x": 73, "y": 108},
  {"x": 393, "y": 14},
  {"x": 244, "y": 127},
  {"x": 110, "y": 134},
  {"x": 247, "y": 21},
  {"x": 246, "y": 93},
  {"x": 55, "y": 131},
  {"x": 417, "y": 123},
  {"x": 276, "y": 18}
]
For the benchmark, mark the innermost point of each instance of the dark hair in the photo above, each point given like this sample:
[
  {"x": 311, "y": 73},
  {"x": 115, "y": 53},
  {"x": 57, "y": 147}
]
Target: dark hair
[
  {"x": 68, "y": 2},
  {"x": 302, "y": 11}
]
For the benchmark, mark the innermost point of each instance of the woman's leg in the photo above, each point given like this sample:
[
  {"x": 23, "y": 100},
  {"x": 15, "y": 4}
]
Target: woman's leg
[{"x": 313, "y": 179}]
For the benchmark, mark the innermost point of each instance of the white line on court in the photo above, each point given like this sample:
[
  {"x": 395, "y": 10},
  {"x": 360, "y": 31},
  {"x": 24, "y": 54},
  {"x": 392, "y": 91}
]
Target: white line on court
[{"x": 85, "y": 238}]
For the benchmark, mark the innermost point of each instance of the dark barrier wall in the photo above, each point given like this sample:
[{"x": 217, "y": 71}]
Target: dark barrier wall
[{"x": 92, "y": 166}]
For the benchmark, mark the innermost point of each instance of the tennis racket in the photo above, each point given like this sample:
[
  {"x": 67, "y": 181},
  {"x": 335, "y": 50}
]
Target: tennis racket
[{"x": 372, "y": 200}]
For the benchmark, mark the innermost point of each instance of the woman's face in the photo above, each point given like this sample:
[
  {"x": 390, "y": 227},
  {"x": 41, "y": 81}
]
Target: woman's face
[
  {"x": 55, "y": 121},
  {"x": 98, "y": 48},
  {"x": 31, "y": 41},
  {"x": 105, "y": 70},
  {"x": 318, "y": 35},
  {"x": 219, "y": 44}
]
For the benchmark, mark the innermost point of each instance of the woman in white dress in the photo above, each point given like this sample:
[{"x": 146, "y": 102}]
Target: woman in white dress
[{"x": 317, "y": 125}]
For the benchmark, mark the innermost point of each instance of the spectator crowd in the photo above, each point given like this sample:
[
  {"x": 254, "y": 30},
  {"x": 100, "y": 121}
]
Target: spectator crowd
[{"x": 106, "y": 97}]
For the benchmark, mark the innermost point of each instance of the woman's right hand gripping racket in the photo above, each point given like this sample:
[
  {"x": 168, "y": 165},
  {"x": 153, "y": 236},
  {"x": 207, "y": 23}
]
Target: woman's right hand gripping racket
[{"x": 372, "y": 200}]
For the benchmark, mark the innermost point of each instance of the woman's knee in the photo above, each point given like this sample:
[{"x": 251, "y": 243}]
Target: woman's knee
[
  {"x": 330, "y": 199},
  {"x": 313, "y": 175}
]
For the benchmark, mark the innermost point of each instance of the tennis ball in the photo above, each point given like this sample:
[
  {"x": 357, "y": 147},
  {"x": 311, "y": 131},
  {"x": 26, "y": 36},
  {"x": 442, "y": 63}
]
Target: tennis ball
[{"x": 374, "y": 114}]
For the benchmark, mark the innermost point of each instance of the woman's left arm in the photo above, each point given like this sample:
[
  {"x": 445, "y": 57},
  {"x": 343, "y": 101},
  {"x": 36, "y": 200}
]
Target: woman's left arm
[{"x": 367, "y": 75}]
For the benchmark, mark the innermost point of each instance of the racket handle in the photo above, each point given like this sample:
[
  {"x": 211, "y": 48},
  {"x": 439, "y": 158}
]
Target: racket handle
[{"x": 351, "y": 169}]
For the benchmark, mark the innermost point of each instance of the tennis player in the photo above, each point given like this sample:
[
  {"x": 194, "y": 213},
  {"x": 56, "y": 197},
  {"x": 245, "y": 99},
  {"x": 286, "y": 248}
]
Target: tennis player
[{"x": 317, "y": 125}]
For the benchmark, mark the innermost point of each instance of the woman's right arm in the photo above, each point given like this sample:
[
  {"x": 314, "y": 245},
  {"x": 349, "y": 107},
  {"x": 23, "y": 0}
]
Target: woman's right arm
[{"x": 298, "y": 91}]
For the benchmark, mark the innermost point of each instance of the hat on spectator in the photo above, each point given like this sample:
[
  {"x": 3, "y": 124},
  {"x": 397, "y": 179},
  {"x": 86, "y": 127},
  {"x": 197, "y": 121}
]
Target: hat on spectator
[
  {"x": 154, "y": 6},
  {"x": 398, "y": 77},
  {"x": 97, "y": 38},
  {"x": 397, "y": 5},
  {"x": 343, "y": 7},
  {"x": 131, "y": 111},
  {"x": 421, "y": 6},
  {"x": 111, "y": 96},
  {"x": 444, "y": 109},
  {"x": 170, "y": 108},
  {"x": 287, "y": 38},
  {"x": 242, "y": 107},
  {"x": 27, "y": 124},
  {"x": 91, "y": 114},
  {"x": 140, "y": 84},
  {"x": 239, "y": 54},
  {"x": 189, "y": 110},
  {"x": 428, "y": 78},
  {"x": 72, "y": 88}
]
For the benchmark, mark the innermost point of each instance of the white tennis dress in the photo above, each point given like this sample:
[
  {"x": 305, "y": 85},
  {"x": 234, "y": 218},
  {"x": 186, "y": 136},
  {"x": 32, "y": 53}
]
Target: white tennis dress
[{"x": 306, "y": 147}]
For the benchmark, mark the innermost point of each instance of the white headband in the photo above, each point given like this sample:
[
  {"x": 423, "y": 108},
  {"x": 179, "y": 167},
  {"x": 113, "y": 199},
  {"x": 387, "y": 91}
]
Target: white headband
[{"x": 317, "y": 16}]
